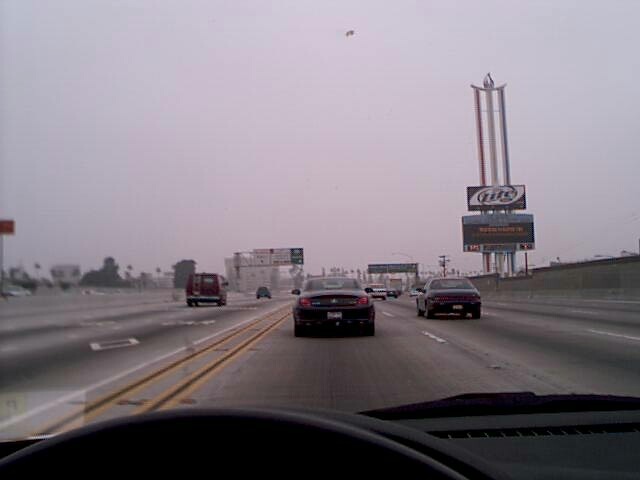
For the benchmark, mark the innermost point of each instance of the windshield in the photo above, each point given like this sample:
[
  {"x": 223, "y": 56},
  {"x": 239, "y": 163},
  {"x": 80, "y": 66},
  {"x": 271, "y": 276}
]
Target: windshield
[
  {"x": 455, "y": 284},
  {"x": 177, "y": 176}
]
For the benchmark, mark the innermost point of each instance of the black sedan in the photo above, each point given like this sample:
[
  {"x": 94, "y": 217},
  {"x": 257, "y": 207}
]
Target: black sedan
[
  {"x": 449, "y": 295},
  {"x": 333, "y": 301},
  {"x": 263, "y": 292}
]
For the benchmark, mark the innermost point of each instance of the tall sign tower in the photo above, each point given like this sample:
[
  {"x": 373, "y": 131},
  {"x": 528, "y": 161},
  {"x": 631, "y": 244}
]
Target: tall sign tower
[{"x": 497, "y": 232}]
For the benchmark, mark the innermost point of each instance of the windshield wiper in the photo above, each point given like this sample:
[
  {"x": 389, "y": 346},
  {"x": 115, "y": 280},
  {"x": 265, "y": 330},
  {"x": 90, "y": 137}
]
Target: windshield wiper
[{"x": 505, "y": 403}]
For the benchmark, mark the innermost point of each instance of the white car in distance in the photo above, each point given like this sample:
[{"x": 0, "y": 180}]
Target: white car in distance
[{"x": 378, "y": 291}]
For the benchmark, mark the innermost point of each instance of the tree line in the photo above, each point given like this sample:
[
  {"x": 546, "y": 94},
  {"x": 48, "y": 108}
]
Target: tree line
[{"x": 109, "y": 276}]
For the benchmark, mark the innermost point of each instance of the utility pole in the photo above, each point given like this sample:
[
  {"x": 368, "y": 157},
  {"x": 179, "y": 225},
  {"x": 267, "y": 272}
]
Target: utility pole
[
  {"x": 444, "y": 259},
  {"x": 7, "y": 227}
]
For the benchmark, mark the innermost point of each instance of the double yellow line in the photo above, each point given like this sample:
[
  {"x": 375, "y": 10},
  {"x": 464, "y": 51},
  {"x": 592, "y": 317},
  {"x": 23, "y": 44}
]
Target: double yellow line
[{"x": 173, "y": 395}]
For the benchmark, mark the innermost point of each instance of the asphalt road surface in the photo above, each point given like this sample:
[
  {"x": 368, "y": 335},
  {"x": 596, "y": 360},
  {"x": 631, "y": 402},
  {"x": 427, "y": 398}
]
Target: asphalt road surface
[
  {"x": 564, "y": 349},
  {"x": 52, "y": 350}
]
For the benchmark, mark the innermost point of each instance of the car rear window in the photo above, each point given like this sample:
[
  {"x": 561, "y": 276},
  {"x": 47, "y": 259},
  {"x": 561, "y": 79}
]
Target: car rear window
[
  {"x": 332, "y": 284},
  {"x": 461, "y": 283}
]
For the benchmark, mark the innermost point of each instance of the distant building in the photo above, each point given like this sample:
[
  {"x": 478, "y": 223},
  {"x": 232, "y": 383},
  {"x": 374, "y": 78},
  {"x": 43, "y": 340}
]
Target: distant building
[
  {"x": 18, "y": 274},
  {"x": 251, "y": 275},
  {"x": 68, "y": 275}
]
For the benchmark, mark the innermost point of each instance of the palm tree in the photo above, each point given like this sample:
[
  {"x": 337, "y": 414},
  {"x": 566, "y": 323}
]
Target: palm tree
[{"x": 128, "y": 274}]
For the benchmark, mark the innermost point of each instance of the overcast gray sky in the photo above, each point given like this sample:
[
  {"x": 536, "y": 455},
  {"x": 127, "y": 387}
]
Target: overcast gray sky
[{"x": 159, "y": 130}]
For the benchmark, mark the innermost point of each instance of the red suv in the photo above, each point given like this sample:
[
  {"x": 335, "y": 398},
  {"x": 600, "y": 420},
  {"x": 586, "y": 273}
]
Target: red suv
[{"x": 206, "y": 288}]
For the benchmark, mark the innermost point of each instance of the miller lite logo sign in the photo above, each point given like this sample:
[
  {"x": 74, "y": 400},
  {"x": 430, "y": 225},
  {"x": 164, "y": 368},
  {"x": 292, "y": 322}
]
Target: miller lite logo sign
[{"x": 497, "y": 197}]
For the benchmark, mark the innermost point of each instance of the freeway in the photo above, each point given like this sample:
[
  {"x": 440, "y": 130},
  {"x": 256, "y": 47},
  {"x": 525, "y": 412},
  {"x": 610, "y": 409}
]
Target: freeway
[
  {"x": 90, "y": 359},
  {"x": 72, "y": 347},
  {"x": 414, "y": 359}
]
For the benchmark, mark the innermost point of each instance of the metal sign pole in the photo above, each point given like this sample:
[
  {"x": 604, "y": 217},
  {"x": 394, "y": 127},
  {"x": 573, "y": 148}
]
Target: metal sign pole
[
  {"x": 495, "y": 120},
  {"x": 493, "y": 158},
  {"x": 505, "y": 145}
]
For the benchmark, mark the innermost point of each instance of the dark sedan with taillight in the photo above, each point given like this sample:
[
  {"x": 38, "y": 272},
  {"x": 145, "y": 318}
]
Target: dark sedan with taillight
[
  {"x": 449, "y": 295},
  {"x": 333, "y": 301}
]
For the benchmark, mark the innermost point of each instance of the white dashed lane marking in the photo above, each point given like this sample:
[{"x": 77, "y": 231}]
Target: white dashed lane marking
[
  {"x": 388, "y": 314},
  {"x": 628, "y": 337},
  {"x": 434, "y": 337},
  {"x": 97, "y": 324},
  {"x": 110, "y": 344},
  {"x": 187, "y": 323}
]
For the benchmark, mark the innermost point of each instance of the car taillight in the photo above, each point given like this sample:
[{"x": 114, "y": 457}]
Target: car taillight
[
  {"x": 363, "y": 301},
  {"x": 305, "y": 302}
]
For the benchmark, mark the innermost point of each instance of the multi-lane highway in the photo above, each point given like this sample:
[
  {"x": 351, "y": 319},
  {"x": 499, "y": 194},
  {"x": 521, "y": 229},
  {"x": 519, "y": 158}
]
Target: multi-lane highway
[{"x": 68, "y": 360}]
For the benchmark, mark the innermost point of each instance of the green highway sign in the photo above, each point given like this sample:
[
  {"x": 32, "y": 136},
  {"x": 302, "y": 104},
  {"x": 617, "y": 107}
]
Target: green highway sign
[
  {"x": 393, "y": 268},
  {"x": 277, "y": 257},
  {"x": 297, "y": 256}
]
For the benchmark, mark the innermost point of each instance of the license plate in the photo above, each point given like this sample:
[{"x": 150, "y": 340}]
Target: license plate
[
  {"x": 457, "y": 307},
  {"x": 334, "y": 315}
]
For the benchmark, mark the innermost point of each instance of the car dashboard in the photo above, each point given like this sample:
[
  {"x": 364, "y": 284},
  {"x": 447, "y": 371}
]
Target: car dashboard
[
  {"x": 523, "y": 446},
  {"x": 544, "y": 446}
]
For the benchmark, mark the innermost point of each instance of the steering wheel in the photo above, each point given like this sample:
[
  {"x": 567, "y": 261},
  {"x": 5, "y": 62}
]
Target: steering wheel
[{"x": 244, "y": 442}]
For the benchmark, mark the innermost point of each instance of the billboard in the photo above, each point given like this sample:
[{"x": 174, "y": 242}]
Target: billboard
[
  {"x": 497, "y": 197},
  {"x": 498, "y": 232},
  {"x": 7, "y": 227},
  {"x": 262, "y": 256},
  {"x": 499, "y": 247},
  {"x": 392, "y": 268}
]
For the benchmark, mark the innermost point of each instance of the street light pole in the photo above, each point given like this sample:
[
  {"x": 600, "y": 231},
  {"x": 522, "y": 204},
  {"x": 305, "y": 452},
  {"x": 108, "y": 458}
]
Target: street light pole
[{"x": 443, "y": 263}]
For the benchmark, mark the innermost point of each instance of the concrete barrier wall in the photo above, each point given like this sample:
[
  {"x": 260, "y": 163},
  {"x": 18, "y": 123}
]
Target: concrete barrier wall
[{"x": 608, "y": 278}]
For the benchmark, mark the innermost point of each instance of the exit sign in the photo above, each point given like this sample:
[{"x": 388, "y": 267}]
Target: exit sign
[{"x": 7, "y": 227}]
